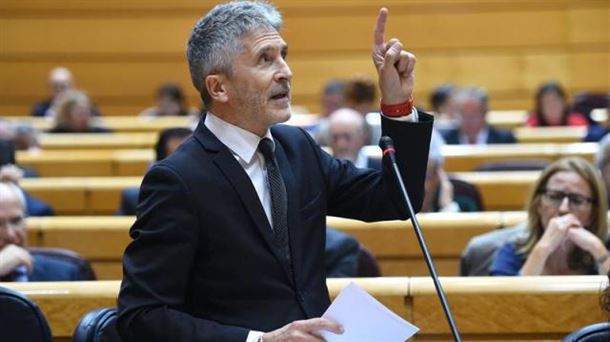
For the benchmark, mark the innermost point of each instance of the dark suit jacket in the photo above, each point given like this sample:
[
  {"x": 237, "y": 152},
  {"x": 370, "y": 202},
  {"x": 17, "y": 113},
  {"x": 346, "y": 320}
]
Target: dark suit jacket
[
  {"x": 36, "y": 207},
  {"x": 341, "y": 254},
  {"x": 50, "y": 269},
  {"x": 496, "y": 136},
  {"x": 374, "y": 163},
  {"x": 203, "y": 265}
]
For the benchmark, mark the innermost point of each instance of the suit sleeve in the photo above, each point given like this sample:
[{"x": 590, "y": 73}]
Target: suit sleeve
[
  {"x": 371, "y": 195},
  {"x": 156, "y": 267}
]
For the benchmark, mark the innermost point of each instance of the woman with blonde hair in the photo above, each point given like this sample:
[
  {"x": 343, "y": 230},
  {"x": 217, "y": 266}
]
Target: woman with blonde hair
[
  {"x": 75, "y": 114},
  {"x": 566, "y": 225}
]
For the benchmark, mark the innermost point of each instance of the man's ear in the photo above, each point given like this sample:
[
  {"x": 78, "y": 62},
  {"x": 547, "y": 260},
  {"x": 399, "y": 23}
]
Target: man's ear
[{"x": 216, "y": 87}]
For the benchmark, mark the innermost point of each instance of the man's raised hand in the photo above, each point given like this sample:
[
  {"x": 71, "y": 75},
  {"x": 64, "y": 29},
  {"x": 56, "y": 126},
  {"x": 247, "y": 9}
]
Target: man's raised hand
[{"x": 395, "y": 66}]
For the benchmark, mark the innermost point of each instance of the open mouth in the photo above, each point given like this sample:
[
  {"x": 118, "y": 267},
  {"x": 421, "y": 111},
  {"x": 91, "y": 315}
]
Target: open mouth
[{"x": 281, "y": 95}]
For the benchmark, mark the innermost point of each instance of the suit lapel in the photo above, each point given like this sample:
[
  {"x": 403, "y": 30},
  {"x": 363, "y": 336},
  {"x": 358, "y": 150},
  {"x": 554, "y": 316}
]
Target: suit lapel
[
  {"x": 294, "y": 229},
  {"x": 242, "y": 184}
]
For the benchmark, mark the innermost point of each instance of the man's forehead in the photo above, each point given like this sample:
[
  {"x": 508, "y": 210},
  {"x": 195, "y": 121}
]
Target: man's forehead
[{"x": 261, "y": 38}]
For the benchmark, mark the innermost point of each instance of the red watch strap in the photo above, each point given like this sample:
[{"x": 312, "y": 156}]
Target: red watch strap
[{"x": 398, "y": 110}]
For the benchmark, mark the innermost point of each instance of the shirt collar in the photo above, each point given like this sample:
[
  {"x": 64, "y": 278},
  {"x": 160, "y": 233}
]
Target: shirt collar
[{"x": 241, "y": 142}]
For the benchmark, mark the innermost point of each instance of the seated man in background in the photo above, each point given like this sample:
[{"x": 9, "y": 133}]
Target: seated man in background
[
  {"x": 60, "y": 81},
  {"x": 171, "y": 101},
  {"x": 473, "y": 105},
  {"x": 9, "y": 172},
  {"x": 347, "y": 135},
  {"x": 442, "y": 102},
  {"x": 332, "y": 97},
  {"x": 16, "y": 262}
]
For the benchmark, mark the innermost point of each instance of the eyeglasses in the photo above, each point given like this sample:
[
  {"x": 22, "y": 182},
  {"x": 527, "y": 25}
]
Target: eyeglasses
[
  {"x": 12, "y": 222},
  {"x": 555, "y": 198}
]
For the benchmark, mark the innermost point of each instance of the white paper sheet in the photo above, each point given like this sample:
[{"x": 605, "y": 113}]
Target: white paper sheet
[{"x": 365, "y": 319}]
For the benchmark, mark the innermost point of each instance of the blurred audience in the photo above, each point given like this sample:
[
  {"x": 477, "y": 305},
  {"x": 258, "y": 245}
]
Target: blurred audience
[
  {"x": 361, "y": 94},
  {"x": 170, "y": 102},
  {"x": 566, "y": 227},
  {"x": 332, "y": 97},
  {"x": 60, "y": 81},
  {"x": 16, "y": 262},
  {"x": 473, "y": 105},
  {"x": 22, "y": 135},
  {"x": 439, "y": 190},
  {"x": 602, "y": 160},
  {"x": 553, "y": 109},
  {"x": 74, "y": 114},
  {"x": 442, "y": 102},
  {"x": 597, "y": 131},
  {"x": 347, "y": 135}
]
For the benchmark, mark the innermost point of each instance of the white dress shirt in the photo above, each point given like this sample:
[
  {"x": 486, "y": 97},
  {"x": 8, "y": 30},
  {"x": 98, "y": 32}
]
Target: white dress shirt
[{"x": 244, "y": 147}]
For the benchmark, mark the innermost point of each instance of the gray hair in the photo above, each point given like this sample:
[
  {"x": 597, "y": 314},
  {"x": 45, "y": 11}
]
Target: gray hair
[
  {"x": 603, "y": 153},
  {"x": 7, "y": 187},
  {"x": 215, "y": 39},
  {"x": 473, "y": 94}
]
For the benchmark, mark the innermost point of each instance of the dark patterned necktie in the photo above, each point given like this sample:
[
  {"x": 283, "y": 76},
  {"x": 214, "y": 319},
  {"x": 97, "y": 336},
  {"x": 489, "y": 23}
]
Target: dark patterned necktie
[{"x": 279, "y": 201}]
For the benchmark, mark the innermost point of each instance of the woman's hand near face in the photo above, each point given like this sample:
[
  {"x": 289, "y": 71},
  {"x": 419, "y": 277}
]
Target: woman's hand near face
[
  {"x": 555, "y": 234},
  {"x": 588, "y": 242}
]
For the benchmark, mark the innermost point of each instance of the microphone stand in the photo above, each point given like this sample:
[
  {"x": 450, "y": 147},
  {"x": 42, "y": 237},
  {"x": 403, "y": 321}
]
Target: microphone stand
[{"x": 387, "y": 147}]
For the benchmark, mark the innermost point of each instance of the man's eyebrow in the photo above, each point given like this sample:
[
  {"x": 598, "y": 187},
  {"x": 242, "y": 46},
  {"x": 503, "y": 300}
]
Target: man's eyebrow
[{"x": 271, "y": 47}]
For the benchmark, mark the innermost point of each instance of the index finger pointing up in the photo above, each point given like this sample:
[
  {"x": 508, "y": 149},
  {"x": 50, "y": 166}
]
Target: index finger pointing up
[{"x": 379, "y": 34}]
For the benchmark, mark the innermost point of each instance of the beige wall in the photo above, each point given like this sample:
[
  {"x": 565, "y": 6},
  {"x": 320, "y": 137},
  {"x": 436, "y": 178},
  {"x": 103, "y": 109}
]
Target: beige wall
[{"x": 121, "y": 50}]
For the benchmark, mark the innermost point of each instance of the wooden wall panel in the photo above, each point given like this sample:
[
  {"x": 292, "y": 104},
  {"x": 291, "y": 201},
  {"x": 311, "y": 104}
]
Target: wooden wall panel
[{"x": 120, "y": 51}]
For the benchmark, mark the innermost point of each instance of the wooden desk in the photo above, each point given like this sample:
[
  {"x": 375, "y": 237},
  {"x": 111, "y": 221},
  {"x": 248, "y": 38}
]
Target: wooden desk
[
  {"x": 88, "y": 163},
  {"x": 485, "y": 308},
  {"x": 101, "y": 195},
  {"x": 550, "y": 134},
  {"x": 468, "y": 157},
  {"x": 102, "y": 239},
  {"x": 508, "y": 308},
  {"x": 502, "y": 190},
  {"x": 81, "y": 195},
  {"x": 97, "y": 141}
]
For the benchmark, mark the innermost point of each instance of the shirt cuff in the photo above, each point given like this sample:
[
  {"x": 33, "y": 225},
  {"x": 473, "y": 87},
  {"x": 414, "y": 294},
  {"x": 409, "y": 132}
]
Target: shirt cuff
[
  {"x": 254, "y": 336},
  {"x": 411, "y": 117}
]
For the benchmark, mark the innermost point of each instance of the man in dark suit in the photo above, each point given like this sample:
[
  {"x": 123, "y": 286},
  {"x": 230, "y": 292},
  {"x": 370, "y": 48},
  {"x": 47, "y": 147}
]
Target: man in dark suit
[
  {"x": 473, "y": 105},
  {"x": 347, "y": 135},
  {"x": 228, "y": 244},
  {"x": 16, "y": 262}
]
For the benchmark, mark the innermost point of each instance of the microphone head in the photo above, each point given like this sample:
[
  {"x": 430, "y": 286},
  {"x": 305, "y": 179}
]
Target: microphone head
[{"x": 385, "y": 142}]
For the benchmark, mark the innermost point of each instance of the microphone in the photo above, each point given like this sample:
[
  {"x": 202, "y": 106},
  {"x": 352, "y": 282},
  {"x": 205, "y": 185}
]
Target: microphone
[{"x": 387, "y": 146}]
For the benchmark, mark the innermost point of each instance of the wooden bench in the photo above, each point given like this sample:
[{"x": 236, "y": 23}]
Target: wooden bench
[
  {"x": 102, "y": 239},
  {"x": 133, "y": 124},
  {"x": 134, "y": 162},
  {"x": 493, "y": 309},
  {"x": 101, "y": 195},
  {"x": 87, "y": 163}
]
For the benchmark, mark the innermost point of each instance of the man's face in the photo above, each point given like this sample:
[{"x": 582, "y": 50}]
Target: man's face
[
  {"x": 473, "y": 117},
  {"x": 12, "y": 223},
  {"x": 259, "y": 88},
  {"x": 346, "y": 140}
]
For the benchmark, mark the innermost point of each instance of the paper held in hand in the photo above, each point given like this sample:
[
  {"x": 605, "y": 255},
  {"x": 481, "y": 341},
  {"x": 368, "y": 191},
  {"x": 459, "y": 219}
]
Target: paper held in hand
[{"x": 365, "y": 319}]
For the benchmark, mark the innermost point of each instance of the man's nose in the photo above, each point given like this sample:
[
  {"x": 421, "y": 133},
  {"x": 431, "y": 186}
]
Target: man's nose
[
  {"x": 284, "y": 72},
  {"x": 12, "y": 235}
]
